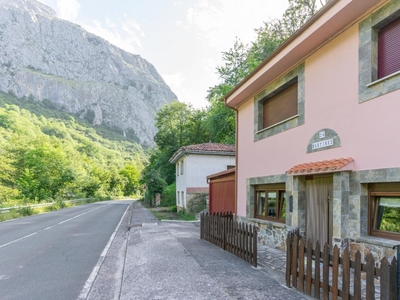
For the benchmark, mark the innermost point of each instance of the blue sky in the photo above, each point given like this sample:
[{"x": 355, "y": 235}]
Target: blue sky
[{"x": 183, "y": 39}]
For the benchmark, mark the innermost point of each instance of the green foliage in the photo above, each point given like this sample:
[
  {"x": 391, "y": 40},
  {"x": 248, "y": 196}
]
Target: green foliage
[
  {"x": 131, "y": 175},
  {"x": 186, "y": 216},
  {"x": 45, "y": 155},
  {"x": 25, "y": 211},
  {"x": 154, "y": 182},
  {"x": 169, "y": 195}
]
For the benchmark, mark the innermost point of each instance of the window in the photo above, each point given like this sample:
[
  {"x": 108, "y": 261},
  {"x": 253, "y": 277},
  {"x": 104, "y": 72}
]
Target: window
[
  {"x": 385, "y": 211},
  {"x": 182, "y": 199},
  {"x": 177, "y": 169},
  {"x": 270, "y": 202},
  {"x": 379, "y": 58},
  {"x": 281, "y": 105},
  {"x": 388, "y": 49},
  {"x": 177, "y": 198},
  {"x": 181, "y": 167}
]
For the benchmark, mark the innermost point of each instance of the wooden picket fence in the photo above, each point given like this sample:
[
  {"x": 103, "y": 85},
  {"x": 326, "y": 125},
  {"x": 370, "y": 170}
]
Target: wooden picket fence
[
  {"x": 341, "y": 277},
  {"x": 235, "y": 237}
]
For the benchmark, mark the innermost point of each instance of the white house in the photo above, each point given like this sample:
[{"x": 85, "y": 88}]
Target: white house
[{"x": 194, "y": 163}]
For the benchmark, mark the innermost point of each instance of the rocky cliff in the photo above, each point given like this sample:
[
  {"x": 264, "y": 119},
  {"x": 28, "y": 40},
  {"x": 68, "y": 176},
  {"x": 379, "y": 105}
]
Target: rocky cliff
[{"x": 44, "y": 57}]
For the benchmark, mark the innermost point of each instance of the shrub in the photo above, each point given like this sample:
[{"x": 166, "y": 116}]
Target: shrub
[
  {"x": 169, "y": 195},
  {"x": 25, "y": 211}
]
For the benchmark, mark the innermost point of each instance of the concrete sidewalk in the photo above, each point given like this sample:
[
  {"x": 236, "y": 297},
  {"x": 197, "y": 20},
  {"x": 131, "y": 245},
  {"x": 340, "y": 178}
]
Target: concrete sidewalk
[{"x": 168, "y": 260}]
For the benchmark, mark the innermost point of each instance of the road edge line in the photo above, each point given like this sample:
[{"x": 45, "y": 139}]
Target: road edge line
[{"x": 92, "y": 277}]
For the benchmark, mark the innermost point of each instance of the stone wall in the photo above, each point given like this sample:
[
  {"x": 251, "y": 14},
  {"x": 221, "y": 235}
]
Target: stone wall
[{"x": 196, "y": 202}]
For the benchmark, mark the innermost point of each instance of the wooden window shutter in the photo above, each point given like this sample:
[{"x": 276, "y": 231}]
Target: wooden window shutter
[
  {"x": 389, "y": 49},
  {"x": 280, "y": 107}
]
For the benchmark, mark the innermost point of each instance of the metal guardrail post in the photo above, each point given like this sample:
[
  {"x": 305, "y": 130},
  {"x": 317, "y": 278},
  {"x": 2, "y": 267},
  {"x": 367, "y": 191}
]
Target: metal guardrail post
[{"x": 398, "y": 270}]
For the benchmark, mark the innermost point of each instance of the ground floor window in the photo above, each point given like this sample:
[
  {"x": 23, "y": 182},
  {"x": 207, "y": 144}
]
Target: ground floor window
[
  {"x": 270, "y": 202},
  {"x": 384, "y": 204}
]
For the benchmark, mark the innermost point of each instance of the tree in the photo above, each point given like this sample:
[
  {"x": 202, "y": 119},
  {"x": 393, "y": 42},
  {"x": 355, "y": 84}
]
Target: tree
[
  {"x": 131, "y": 174},
  {"x": 178, "y": 125},
  {"x": 154, "y": 182},
  {"x": 45, "y": 173}
]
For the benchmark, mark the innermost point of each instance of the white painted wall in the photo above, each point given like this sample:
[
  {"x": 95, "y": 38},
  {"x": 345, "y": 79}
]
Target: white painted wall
[{"x": 196, "y": 168}]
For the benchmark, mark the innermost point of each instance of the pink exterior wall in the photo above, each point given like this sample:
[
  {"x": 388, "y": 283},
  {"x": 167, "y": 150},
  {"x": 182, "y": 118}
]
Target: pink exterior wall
[{"x": 331, "y": 101}]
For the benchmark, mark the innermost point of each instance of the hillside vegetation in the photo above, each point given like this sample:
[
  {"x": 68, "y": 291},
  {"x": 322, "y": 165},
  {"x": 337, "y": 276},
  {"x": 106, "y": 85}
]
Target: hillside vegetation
[{"x": 47, "y": 154}]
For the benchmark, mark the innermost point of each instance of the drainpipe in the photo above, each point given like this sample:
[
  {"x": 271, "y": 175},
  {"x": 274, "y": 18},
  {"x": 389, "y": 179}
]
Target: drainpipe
[{"x": 236, "y": 154}]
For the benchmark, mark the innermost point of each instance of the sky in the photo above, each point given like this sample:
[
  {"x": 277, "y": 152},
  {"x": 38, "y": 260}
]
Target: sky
[{"x": 183, "y": 39}]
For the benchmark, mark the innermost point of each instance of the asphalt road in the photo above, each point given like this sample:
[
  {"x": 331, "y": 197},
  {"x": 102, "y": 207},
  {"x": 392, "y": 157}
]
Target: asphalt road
[{"x": 52, "y": 256}]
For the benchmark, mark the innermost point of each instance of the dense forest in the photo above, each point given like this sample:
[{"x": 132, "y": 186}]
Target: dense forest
[
  {"x": 46, "y": 154},
  {"x": 180, "y": 124}
]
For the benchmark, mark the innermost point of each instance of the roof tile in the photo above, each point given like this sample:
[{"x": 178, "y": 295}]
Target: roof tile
[
  {"x": 320, "y": 166},
  {"x": 210, "y": 147}
]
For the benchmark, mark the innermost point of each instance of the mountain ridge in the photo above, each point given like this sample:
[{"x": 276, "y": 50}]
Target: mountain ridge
[{"x": 44, "y": 57}]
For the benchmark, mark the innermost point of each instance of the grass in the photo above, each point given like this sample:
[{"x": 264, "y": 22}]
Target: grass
[{"x": 169, "y": 213}]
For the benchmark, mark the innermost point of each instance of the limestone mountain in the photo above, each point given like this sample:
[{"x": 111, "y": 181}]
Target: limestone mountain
[{"x": 46, "y": 58}]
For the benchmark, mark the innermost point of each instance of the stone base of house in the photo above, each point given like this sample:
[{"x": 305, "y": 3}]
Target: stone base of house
[
  {"x": 196, "y": 202},
  {"x": 350, "y": 211},
  {"x": 273, "y": 234}
]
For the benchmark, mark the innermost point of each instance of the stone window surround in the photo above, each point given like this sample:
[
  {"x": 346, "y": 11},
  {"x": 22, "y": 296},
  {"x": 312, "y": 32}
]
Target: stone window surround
[
  {"x": 369, "y": 86},
  {"x": 277, "y": 86}
]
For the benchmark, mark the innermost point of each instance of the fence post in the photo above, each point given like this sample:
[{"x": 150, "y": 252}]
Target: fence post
[
  {"x": 288, "y": 258},
  {"x": 398, "y": 269},
  {"x": 370, "y": 268}
]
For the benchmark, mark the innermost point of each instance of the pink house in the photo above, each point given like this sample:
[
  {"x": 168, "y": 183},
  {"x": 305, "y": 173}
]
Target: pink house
[{"x": 318, "y": 131}]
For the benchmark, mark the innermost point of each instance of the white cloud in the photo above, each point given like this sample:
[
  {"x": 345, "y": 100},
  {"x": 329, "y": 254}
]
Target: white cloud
[
  {"x": 174, "y": 80},
  {"x": 68, "y": 9},
  {"x": 127, "y": 34}
]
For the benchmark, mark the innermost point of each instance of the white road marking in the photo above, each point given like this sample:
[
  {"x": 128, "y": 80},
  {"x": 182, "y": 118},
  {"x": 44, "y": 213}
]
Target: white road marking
[
  {"x": 47, "y": 228},
  {"x": 89, "y": 283}
]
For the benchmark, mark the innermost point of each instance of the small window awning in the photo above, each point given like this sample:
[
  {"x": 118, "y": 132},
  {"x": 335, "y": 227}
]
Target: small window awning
[{"x": 326, "y": 166}]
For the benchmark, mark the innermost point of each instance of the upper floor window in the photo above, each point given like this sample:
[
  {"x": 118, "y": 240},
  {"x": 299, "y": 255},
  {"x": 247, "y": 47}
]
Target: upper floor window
[
  {"x": 177, "y": 169},
  {"x": 389, "y": 49},
  {"x": 378, "y": 53},
  {"x": 281, "y": 105},
  {"x": 384, "y": 204},
  {"x": 181, "y": 163},
  {"x": 270, "y": 202}
]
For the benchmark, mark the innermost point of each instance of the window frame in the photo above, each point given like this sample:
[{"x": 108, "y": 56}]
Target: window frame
[
  {"x": 369, "y": 86},
  {"x": 384, "y": 190},
  {"x": 276, "y": 97},
  {"x": 272, "y": 89},
  {"x": 280, "y": 190},
  {"x": 383, "y": 41}
]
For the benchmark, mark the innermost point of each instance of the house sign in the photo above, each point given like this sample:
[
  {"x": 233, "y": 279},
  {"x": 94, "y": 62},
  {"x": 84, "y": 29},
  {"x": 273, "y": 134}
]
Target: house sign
[{"x": 324, "y": 139}]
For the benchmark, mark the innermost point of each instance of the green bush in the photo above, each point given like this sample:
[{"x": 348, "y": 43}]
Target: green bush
[
  {"x": 169, "y": 195},
  {"x": 25, "y": 211},
  {"x": 186, "y": 216}
]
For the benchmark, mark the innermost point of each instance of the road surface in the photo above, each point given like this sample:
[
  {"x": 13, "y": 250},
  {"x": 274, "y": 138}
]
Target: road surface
[{"x": 52, "y": 255}]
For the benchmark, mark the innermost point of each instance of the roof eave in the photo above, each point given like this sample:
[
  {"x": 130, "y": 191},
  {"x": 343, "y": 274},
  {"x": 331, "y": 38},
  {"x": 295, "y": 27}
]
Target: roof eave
[{"x": 176, "y": 157}]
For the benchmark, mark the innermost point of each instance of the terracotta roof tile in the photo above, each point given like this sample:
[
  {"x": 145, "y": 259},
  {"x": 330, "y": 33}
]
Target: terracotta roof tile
[
  {"x": 320, "y": 166},
  {"x": 206, "y": 148},
  {"x": 210, "y": 147}
]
